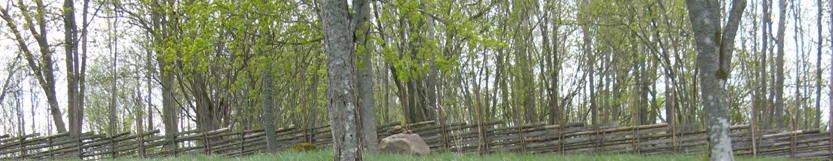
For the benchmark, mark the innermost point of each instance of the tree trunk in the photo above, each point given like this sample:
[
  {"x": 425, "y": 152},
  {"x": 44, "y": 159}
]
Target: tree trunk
[
  {"x": 591, "y": 60},
  {"x": 113, "y": 43},
  {"x": 713, "y": 56},
  {"x": 312, "y": 113},
  {"x": 341, "y": 80},
  {"x": 830, "y": 109},
  {"x": 148, "y": 74},
  {"x": 367, "y": 109},
  {"x": 766, "y": 107},
  {"x": 75, "y": 111},
  {"x": 207, "y": 116},
  {"x": 81, "y": 78},
  {"x": 779, "y": 67},
  {"x": 170, "y": 111},
  {"x": 644, "y": 104},
  {"x": 669, "y": 103},
  {"x": 268, "y": 114},
  {"x": 817, "y": 120}
]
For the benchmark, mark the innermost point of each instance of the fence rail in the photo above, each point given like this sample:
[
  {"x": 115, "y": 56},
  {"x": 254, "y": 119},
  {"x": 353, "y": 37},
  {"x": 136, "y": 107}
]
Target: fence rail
[{"x": 454, "y": 137}]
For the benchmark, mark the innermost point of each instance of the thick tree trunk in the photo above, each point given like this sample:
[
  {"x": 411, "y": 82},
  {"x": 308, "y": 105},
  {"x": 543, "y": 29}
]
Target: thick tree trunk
[
  {"x": 148, "y": 74},
  {"x": 779, "y": 67},
  {"x": 170, "y": 111},
  {"x": 591, "y": 61},
  {"x": 312, "y": 113},
  {"x": 766, "y": 108},
  {"x": 713, "y": 97},
  {"x": 81, "y": 78},
  {"x": 714, "y": 53},
  {"x": 75, "y": 111},
  {"x": 207, "y": 119},
  {"x": 367, "y": 109},
  {"x": 341, "y": 80},
  {"x": 268, "y": 114},
  {"x": 644, "y": 104},
  {"x": 113, "y": 119}
]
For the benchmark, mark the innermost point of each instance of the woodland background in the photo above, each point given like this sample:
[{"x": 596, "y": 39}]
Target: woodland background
[{"x": 113, "y": 66}]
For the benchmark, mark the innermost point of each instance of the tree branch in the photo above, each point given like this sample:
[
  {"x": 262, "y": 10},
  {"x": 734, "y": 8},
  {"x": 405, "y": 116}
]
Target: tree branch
[{"x": 727, "y": 40}]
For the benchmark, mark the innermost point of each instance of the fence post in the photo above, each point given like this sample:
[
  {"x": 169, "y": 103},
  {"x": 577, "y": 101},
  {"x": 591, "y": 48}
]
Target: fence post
[
  {"x": 80, "y": 149},
  {"x": 242, "y": 142},
  {"x": 792, "y": 144},
  {"x": 673, "y": 135},
  {"x": 49, "y": 148},
  {"x": 561, "y": 138},
  {"x": 173, "y": 141},
  {"x": 486, "y": 139},
  {"x": 596, "y": 146},
  {"x": 22, "y": 147},
  {"x": 754, "y": 135},
  {"x": 480, "y": 137},
  {"x": 204, "y": 145},
  {"x": 113, "y": 147},
  {"x": 141, "y": 146},
  {"x": 442, "y": 129},
  {"x": 521, "y": 136},
  {"x": 794, "y": 135},
  {"x": 634, "y": 138}
]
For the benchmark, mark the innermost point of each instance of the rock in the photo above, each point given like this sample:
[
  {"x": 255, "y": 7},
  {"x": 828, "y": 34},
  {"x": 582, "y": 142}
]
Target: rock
[
  {"x": 398, "y": 129},
  {"x": 404, "y": 144}
]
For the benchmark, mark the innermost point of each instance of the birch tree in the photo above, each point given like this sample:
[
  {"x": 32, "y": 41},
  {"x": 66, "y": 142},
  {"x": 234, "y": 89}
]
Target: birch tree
[
  {"x": 341, "y": 84},
  {"x": 714, "y": 53}
]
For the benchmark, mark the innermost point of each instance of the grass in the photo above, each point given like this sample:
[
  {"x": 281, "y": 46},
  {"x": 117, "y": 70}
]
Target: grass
[{"x": 327, "y": 155}]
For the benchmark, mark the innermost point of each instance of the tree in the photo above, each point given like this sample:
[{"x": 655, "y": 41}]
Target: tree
[
  {"x": 763, "y": 100},
  {"x": 113, "y": 46},
  {"x": 367, "y": 110},
  {"x": 268, "y": 114},
  {"x": 42, "y": 69},
  {"x": 160, "y": 29},
  {"x": 76, "y": 67},
  {"x": 830, "y": 110},
  {"x": 11, "y": 69},
  {"x": 820, "y": 42},
  {"x": 341, "y": 80},
  {"x": 779, "y": 66},
  {"x": 714, "y": 58}
]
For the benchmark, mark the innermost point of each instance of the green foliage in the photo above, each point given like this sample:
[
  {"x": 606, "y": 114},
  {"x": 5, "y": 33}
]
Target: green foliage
[{"x": 490, "y": 55}]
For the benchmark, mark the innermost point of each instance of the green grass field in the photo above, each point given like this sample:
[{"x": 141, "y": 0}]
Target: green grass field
[{"x": 327, "y": 155}]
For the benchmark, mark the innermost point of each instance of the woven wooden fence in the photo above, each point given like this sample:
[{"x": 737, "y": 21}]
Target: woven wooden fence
[{"x": 491, "y": 137}]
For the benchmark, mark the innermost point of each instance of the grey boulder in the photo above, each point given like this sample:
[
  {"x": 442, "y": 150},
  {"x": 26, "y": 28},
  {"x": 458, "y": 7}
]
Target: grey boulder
[{"x": 404, "y": 144}]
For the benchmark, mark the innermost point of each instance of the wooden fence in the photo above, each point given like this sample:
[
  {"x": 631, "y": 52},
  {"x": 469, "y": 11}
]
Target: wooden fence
[{"x": 492, "y": 137}]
